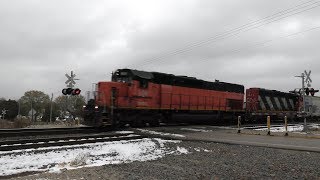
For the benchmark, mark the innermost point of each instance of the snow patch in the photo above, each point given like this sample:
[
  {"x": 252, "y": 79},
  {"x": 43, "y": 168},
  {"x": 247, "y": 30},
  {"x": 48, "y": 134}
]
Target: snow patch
[
  {"x": 124, "y": 132},
  {"x": 291, "y": 128},
  {"x": 56, "y": 159},
  {"x": 182, "y": 150},
  {"x": 282, "y": 129},
  {"x": 196, "y": 130},
  {"x": 202, "y": 150},
  {"x": 160, "y": 133}
]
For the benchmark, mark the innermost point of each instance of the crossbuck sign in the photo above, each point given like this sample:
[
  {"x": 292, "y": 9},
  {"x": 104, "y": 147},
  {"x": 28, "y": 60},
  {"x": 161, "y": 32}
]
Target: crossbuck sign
[
  {"x": 71, "y": 80},
  {"x": 308, "y": 78}
]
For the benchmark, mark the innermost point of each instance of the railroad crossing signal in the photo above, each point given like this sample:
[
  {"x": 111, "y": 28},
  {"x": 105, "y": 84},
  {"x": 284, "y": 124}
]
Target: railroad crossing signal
[
  {"x": 70, "y": 84},
  {"x": 4, "y": 112},
  {"x": 71, "y": 80}
]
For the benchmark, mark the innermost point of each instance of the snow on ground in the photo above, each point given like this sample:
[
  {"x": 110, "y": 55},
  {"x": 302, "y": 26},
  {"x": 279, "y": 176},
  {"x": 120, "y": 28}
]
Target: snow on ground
[
  {"x": 124, "y": 132},
  {"x": 224, "y": 127},
  {"x": 160, "y": 133},
  {"x": 202, "y": 149},
  {"x": 54, "y": 159},
  {"x": 194, "y": 129},
  {"x": 282, "y": 129}
]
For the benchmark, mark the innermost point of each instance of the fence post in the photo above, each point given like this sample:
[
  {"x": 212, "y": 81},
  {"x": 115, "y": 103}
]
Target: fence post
[
  {"x": 268, "y": 125},
  {"x": 286, "y": 125},
  {"x": 239, "y": 124}
]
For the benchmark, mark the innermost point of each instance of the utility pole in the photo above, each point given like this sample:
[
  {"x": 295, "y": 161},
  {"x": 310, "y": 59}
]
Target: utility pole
[
  {"x": 302, "y": 91},
  {"x": 31, "y": 112},
  {"x": 19, "y": 106},
  {"x": 51, "y": 107}
]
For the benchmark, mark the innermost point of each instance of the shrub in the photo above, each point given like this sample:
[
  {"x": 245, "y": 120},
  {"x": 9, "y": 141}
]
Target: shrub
[
  {"x": 5, "y": 124},
  {"x": 80, "y": 160}
]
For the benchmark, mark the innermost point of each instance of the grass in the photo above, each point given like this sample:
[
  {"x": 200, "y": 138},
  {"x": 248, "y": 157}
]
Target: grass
[{"x": 17, "y": 123}]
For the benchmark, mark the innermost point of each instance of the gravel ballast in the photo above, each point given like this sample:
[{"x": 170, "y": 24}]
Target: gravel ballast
[{"x": 207, "y": 160}]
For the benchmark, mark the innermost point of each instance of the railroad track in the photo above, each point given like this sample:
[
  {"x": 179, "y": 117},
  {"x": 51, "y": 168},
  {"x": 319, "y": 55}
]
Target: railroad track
[
  {"x": 45, "y": 131},
  {"x": 10, "y": 145}
]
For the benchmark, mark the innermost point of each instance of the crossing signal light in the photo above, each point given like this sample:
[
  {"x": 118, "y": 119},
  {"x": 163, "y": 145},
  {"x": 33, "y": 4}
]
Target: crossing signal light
[
  {"x": 76, "y": 91},
  {"x": 70, "y": 91},
  {"x": 313, "y": 91},
  {"x": 67, "y": 91},
  {"x": 310, "y": 91},
  {"x": 307, "y": 91}
]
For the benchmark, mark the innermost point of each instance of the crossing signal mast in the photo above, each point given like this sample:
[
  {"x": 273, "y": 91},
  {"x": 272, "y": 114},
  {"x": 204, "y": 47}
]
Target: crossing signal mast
[
  {"x": 305, "y": 91},
  {"x": 70, "y": 84}
]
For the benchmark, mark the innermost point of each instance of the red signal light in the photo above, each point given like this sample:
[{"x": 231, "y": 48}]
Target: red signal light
[
  {"x": 312, "y": 91},
  {"x": 76, "y": 91}
]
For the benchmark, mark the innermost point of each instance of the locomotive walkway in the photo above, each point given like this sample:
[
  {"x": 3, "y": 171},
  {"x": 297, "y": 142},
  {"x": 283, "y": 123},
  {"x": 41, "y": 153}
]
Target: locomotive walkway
[{"x": 280, "y": 142}]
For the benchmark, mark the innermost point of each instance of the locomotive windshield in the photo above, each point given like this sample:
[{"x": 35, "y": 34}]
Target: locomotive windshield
[{"x": 121, "y": 76}]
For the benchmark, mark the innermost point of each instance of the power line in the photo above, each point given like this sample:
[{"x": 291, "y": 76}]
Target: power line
[
  {"x": 261, "y": 43},
  {"x": 231, "y": 33},
  {"x": 222, "y": 37},
  {"x": 246, "y": 27}
]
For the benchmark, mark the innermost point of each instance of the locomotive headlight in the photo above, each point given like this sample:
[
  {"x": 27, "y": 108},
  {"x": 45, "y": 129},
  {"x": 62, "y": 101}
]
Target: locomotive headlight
[
  {"x": 84, "y": 106},
  {"x": 96, "y": 107}
]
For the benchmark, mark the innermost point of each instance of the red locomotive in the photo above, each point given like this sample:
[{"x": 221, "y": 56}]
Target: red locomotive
[{"x": 139, "y": 97}]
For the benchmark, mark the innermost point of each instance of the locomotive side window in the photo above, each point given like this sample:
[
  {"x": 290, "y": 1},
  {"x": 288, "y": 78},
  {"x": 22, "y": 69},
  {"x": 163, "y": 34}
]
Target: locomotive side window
[
  {"x": 143, "y": 83},
  {"x": 123, "y": 79}
]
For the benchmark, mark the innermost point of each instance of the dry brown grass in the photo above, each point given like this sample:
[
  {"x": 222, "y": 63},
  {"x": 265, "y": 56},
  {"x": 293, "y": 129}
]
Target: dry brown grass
[
  {"x": 21, "y": 123},
  {"x": 17, "y": 123},
  {"x": 4, "y": 124}
]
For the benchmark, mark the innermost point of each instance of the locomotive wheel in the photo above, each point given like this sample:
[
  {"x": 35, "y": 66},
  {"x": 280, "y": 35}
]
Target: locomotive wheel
[
  {"x": 154, "y": 123},
  {"x": 137, "y": 123}
]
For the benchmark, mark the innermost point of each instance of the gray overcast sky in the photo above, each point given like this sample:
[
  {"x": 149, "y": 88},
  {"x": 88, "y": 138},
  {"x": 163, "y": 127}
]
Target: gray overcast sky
[{"x": 41, "y": 40}]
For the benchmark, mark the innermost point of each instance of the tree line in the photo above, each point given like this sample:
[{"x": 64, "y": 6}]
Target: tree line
[{"x": 37, "y": 105}]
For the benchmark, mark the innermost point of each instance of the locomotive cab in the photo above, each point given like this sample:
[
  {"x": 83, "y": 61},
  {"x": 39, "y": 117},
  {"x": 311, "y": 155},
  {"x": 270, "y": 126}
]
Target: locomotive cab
[{"x": 116, "y": 100}]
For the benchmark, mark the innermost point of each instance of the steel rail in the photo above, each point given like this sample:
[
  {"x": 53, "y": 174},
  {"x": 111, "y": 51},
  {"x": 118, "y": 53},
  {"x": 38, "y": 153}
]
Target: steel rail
[
  {"x": 45, "y": 131},
  {"x": 63, "y": 141}
]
